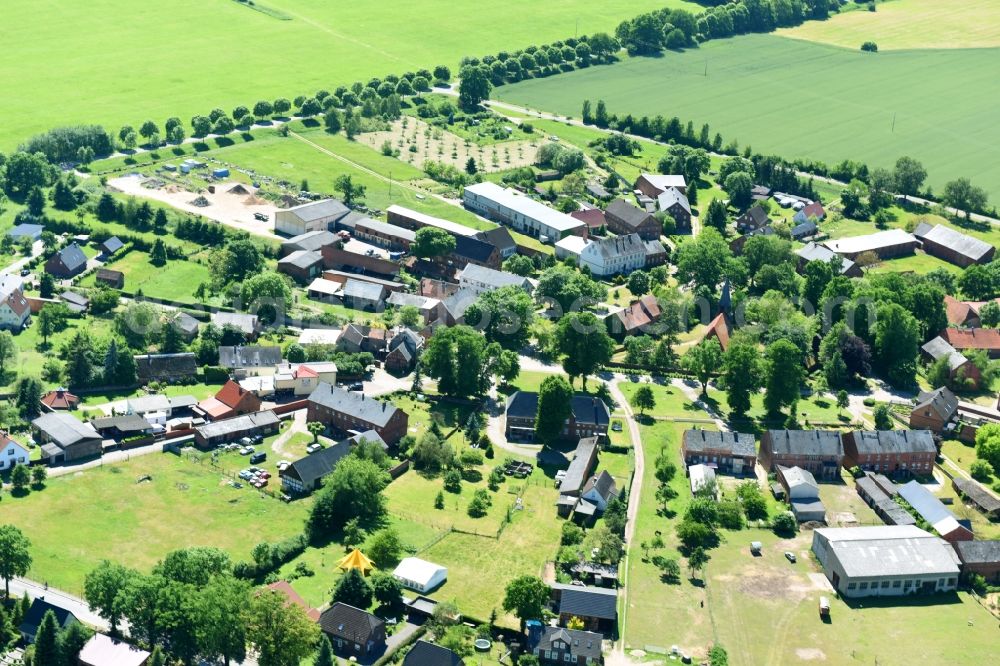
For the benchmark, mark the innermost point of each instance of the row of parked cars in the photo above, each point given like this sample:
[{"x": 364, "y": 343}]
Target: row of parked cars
[{"x": 255, "y": 476}]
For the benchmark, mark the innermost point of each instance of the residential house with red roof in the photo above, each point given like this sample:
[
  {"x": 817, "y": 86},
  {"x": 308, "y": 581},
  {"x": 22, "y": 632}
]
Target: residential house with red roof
[
  {"x": 14, "y": 309},
  {"x": 231, "y": 400},
  {"x": 634, "y": 319},
  {"x": 60, "y": 399},
  {"x": 293, "y": 598},
  {"x": 813, "y": 212}
]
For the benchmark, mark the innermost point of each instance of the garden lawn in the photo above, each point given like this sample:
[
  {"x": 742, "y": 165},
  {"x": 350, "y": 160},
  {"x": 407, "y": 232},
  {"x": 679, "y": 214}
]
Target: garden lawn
[
  {"x": 711, "y": 84},
  {"x": 671, "y": 402},
  {"x": 909, "y": 24},
  {"x": 185, "y": 57},
  {"x": 78, "y": 520},
  {"x": 177, "y": 280}
]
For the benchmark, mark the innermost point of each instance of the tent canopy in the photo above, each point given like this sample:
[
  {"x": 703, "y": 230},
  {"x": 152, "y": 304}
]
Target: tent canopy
[{"x": 355, "y": 560}]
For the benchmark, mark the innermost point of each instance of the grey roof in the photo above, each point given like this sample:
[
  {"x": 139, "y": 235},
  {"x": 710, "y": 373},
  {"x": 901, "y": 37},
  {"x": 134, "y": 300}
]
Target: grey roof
[
  {"x": 499, "y": 237},
  {"x": 941, "y": 400},
  {"x": 977, "y": 494},
  {"x": 350, "y": 623},
  {"x": 185, "y": 322},
  {"x": 739, "y": 443},
  {"x": 796, "y": 477},
  {"x": 73, "y": 257},
  {"x": 872, "y": 489},
  {"x": 388, "y": 229},
  {"x": 584, "y": 644},
  {"x": 183, "y": 401},
  {"x": 74, "y": 298},
  {"x": 311, "y": 241},
  {"x": 671, "y": 196},
  {"x": 939, "y": 348},
  {"x": 125, "y": 423},
  {"x": 493, "y": 278},
  {"x": 165, "y": 366},
  {"x": 813, "y": 251},
  {"x": 757, "y": 216},
  {"x": 963, "y": 244},
  {"x": 318, "y": 464},
  {"x": 367, "y": 410},
  {"x": 978, "y": 552},
  {"x": 928, "y": 506},
  {"x": 301, "y": 259},
  {"x": 804, "y": 229},
  {"x": 32, "y": 231},
  {"x": 654, "y": 247},
  {"x": 459, "y": 302},
  {"x": 63, "y": 429},
  {"x": 585, "y": 602},
  {"x": 316, "y": 210},
  {"x": 237, "y": 424},
  {"x": 807, "y": 442},
  {"x": 807, "y": 509},
  {"x": 143, "y": 404},
  {"x": 245, "y": 322},
  {"x": 368, "y": 436},
  {"x": 367, "y": 291},
  {"x": 473, "y": 248},
  {"x": 112, "y": 244},
  {"x": 526, "y": 206},
  {"x": 893, "y": 441},
  {"x": 604, "y": 484},
  {"x": 578, "y": 469},
  {"x": 249, "y": 356},
  {"x": 612, "y": 247},
  {"x": 428, "y": 654},
  {"x": 889, "y": 551},
  {"x": 627, "y": 213},
  {"x": 586, "y": 409}
]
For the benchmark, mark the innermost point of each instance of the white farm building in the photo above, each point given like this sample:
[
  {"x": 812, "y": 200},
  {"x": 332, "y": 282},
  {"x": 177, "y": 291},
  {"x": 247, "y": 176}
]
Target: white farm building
[
  {"x": 888, "y": 560},
  {"x": 420, "y": 575}
]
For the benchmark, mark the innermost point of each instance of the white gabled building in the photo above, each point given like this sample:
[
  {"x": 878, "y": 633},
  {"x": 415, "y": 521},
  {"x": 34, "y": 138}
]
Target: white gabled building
[
  {"x": 605, "y": 256},
  {"x": 521, "y": 212},
  {"x": 14, "y": 309},
  {"x": 11, "y": 452}
]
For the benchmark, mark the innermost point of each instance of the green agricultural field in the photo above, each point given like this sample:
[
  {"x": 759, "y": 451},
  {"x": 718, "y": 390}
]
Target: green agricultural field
[
  {"x": 131, "y": 61},
  {"x": 800, "y": 99},
  {"x": 909, "y": 24},
  {"x": 77, "y": 520}
]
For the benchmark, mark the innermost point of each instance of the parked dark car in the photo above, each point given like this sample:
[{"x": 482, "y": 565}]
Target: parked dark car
[{"x": 258, "y": 458}]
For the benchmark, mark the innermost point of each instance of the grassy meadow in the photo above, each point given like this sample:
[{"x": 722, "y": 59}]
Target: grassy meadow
[
  {"x": 909, "y": 24},
  {"x": 800, "y": 99},
  {"x": 114, "y": 62}
]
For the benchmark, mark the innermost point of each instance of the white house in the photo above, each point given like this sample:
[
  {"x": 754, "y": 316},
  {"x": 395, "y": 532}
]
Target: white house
[
  {"x": 154, "y": 408},
  {"x": 14, "y": 308},
  {"x": 605, "y": 256},
  {"x": 600, "y": 490},
  {"x": 480, "y": 278},
  {"x": 11, "y": 452},
  {"x": 700, "y": 476},
  {"x": 420, "y": 575},
  {"x": 302, "y": 378}
]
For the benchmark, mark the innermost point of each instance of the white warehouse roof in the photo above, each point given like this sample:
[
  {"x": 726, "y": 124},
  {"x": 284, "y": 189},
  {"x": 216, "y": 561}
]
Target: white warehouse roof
[
  {"x": 420, "y": 571},
  {"x": 527, "y": 206}
]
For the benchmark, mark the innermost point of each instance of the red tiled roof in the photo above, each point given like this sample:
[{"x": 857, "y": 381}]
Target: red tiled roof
[
  {"x": 283, "y": 587},
  {"x": 214, "y": 408},
  {"x": 305, "y": 371},
  {"x": 233, "y": 395},
  {"x": 719, "y": 328},
  {"x": 957, "y": 311},
  {"x": 815, "y": 209},
  {"x": 974, "y": 338},
  {"x": 17, "y": 302},
  {"x": 593, "y": 218},
  {"x": 60, "y": 399},
  {"x": 644, "y": 311}
]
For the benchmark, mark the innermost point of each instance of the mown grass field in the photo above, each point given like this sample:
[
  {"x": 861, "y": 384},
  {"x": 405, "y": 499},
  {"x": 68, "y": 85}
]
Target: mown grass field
[
  {"x": 76, "y": 521},
  {"x": 116, "y": 62},
  {"x": 176, "y": 280},
  {"x": 800, "y": 99},
  {"x": 909, "y": 24}
]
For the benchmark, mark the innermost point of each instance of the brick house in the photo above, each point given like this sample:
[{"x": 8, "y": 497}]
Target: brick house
[
  {"x": 820, "y": 452},
  {"x": 730, "y": 452},
  {"x": 674, "y": 203},
  {"x": 980, "y": 557},
  {"x": 624, "y": 218},
  {"x": 344, "y": 411},
  {"x": 231, "y": 400},
  {"x": 935, "y": 410},
  {"x": 589, "y": 417},
  {"x": 900, "y": 452},
  {"x": 67, "y": 262},
  {"x": 353, "y": 632}
]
